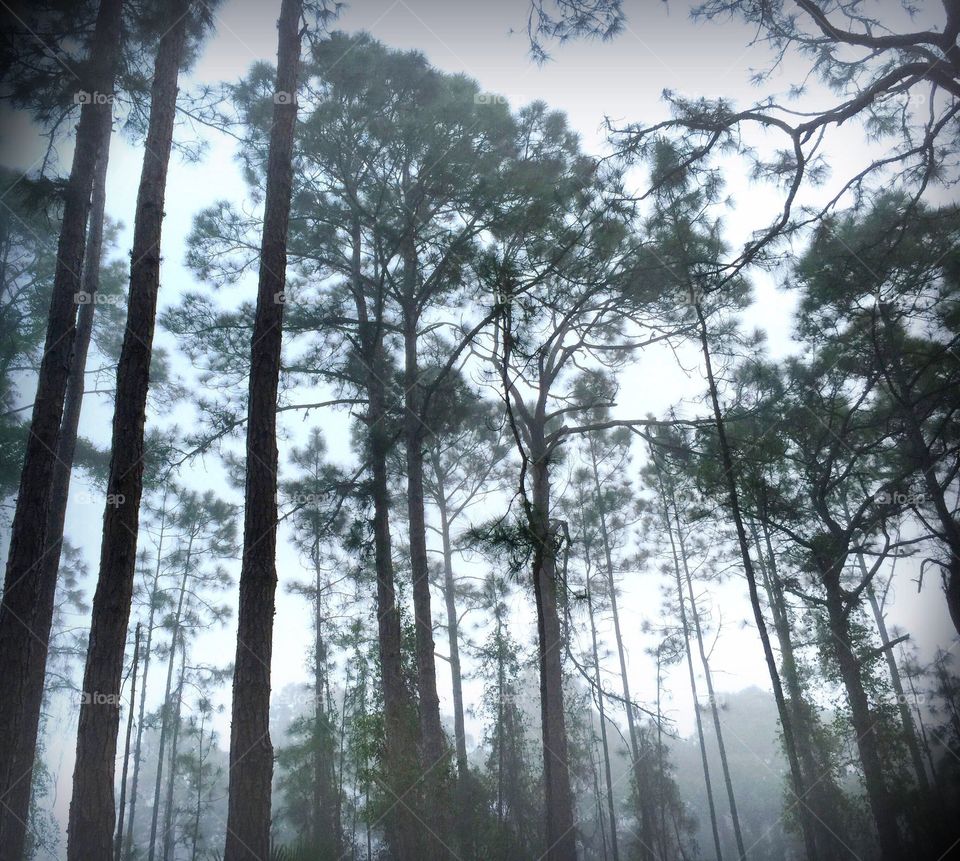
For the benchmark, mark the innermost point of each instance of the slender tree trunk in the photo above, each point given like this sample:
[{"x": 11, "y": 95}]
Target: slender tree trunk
[
  {"x": 26, "y": 597},
  {"x": 823, "y": 795},
  {"x": 251, "y": 751},
  {"x": 681, "y": 604},
  {"x": 126, "y": 745},
  {"x": 636, "y": 759},
  {"x": 148, "y": 652},
  {"x": 830, "y": 562},
  {"x": 326, "y": 816},
  {"x": 714, "y": 711},
  {"x": 195, "y": 830},
  {"x": 434, "y": 751},
  {"x": 611, "y": 805},
  {"x": 168, "y": 823},
  {"x": 453, "y": 629},
  {"x": 909, "y": 730},
  {"x": 561, "y": 836},
  {"x": 162, "y": 743},
  {"x": 730, "y": 476},
  {"x": 464, "y": 792},
  {"x": 90, "y": 828}
]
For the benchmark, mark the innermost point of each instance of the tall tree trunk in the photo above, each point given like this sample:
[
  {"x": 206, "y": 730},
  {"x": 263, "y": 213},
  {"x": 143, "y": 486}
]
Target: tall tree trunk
[
  {"x": 148, "y": 653},
  {"x": 400, "y": 730},
  {"x": 611, "y": 804},
  {"x": 830, "y": 558},
  {"x": 823, "y": 794},
  {"x": 714, "y": 711},
  {"x": 90, "y": 828},
  {"x": 685, "y": 628},
  {"x": 560, "y": 833},
  {"x": 464, "y": 792},
  {"x": 434, "y": 753},
  {"x": 251, "y": 751},
  {"x": 60, "y": 491},
  {"x": 162, "y": 747},
  {"x": 730, "y": 476},
  {"x": 168, "y": 823},
  {"x": 326, "y": 812},
  {"x": 126, "y": 745},
  {"x": 23, "y": 638},
  {"x": 453, "y": 629},
  {"x": 636, "y": 758}
]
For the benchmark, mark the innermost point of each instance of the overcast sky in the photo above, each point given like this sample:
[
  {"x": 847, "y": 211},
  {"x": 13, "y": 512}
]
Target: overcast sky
[{"x": 622, "y": 80}]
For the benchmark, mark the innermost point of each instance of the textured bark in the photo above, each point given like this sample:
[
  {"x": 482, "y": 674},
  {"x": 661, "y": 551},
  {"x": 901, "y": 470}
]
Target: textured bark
[
  {"x": 46, "y": 585},
  {"x": 561, "y": 836},
  {"x": 23, "y": 630},
  {"x": 434, "y": 753},
  {"x": 91, "y": 823},
  {"x": 730, "y": 476},
  {"x": 251, "y": 751},
  {"x": 121, "y": 806}
]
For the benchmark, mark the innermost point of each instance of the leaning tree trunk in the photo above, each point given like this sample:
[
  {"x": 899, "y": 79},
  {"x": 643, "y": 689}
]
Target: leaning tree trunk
[
  {"x": 560, "y": 833},
  {"x": 730, "y": 476},
  {"x": 823, "y": 793},
  {"x": 90, "y": 828},
  {"x": 434, "y": 753},
  {"x": 685, "y": 629},
  {"x": 23, "y": 640},
  {"x": 60, "y": 491},
  {"x": 251, "y": 752},
  {"x": 636, "y": 759},
  {"x": 830, "y": 560},
  {"x": 711, "y": 696}
]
